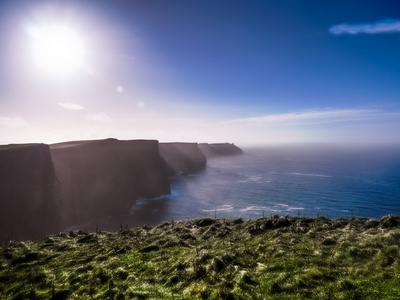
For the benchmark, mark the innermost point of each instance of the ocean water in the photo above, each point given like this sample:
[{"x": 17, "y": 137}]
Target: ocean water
[{"x": 306, "y": 180}]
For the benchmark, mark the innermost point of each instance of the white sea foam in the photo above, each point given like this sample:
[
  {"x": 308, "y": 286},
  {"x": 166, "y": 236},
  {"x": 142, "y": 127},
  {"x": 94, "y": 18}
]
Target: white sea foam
[
  {"x": 225, "y": 207},
  {"x": 174, "y": 193},
  {"x": 294, "y": 208},
  {"x": 251, "y": 178},
  {"x": 142, "y": 201},
  {"x": 259, "y": 208},
  {"x": 308, "y": 174},
  {"x": 289, "y": 208}
]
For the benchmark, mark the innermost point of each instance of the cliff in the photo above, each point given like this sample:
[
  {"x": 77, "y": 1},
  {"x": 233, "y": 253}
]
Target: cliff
[
  {"x": 28, "y": 192},
  {"x": 44, "y": 189},
  {"x": 219, "y": 149},
  {"x": 182, "y": 158},
  {"x": 105, "y": 177}
]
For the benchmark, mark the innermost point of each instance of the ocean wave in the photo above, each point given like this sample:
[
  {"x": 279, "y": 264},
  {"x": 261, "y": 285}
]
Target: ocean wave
[
  {"x": 225, "y": 207},
  {"x": 251, "y": 178},
  {"x": 259, "y": 208},
  {"x": 143, "y": 201},
  {"x": 290, "y": 208},
  {"x": 309, "y": 174}
]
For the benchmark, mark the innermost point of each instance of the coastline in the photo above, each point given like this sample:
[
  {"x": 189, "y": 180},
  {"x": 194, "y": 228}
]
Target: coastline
[{"x": 47, "y": 188}]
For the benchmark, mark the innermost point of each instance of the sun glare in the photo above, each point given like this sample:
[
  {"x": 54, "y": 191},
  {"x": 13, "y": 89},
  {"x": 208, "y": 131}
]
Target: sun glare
[{"x": 57, "y": 49}]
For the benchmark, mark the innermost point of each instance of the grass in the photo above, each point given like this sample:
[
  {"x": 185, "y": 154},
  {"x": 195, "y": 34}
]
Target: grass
[{"x": 267, "y": 258}]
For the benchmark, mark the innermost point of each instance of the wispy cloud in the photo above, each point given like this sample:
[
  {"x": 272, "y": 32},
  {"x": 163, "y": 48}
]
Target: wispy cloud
[
  {"x": 71, "y": 106},
  {"x": 99, "y": 117},
  {"x": 384, "y": 26},
  {"x": 315, "y": 117},
  {"x": 13, "y": 122}
]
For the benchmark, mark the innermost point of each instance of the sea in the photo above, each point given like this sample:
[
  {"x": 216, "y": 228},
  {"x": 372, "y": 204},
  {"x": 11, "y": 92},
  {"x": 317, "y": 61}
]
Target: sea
[{"x": 335, "y": 181}]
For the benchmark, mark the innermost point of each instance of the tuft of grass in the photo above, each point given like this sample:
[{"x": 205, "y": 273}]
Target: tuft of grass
[{"x": 268, "y": 258}]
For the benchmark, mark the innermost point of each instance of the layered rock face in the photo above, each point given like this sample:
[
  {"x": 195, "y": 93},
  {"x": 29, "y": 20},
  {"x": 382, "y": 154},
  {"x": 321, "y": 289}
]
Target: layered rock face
[
  {"x": 219, "y": 149},
  {"x": 29, "y": 191},
  {"x": 105, "y": 177},
  {"x": 184, "y": 158}
]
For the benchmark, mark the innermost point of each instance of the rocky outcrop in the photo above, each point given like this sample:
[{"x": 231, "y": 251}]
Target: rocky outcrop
[
  {"x": 105, "y": 177},
  {"x": 184, "y": 158},
  {"x": 29, "y": 192},
  {"x": 219, "y": 149}
]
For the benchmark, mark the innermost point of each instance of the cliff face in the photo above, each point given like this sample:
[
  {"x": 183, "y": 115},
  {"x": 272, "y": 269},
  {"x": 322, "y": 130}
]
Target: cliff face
[
  {"x": 219, "y": 149},
  {"x": 182, "y": 158},
  {"x": 105, "y": 177},
  {"x": 29, "y": 191}
]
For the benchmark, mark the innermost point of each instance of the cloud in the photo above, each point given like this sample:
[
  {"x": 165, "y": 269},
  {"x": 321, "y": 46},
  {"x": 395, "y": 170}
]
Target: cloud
[
  {"x": 315, "y": 117},
  {"x": 71, "y": 106},
  {"x": 14, "y": 122},
  {"x": 384, "y": 26},
  {"x": 99, "y": 117}
]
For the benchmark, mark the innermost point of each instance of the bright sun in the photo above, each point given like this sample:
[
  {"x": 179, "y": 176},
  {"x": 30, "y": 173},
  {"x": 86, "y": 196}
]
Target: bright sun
[{"x": 57, "y": 49}]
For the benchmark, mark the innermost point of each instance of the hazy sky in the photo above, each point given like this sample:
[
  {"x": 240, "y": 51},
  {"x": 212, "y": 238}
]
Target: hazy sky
[{"x": 207, "y": 71}]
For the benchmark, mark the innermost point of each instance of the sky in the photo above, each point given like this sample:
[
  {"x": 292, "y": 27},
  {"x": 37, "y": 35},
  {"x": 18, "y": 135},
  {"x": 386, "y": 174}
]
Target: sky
[{"x": 247, "y": 72}]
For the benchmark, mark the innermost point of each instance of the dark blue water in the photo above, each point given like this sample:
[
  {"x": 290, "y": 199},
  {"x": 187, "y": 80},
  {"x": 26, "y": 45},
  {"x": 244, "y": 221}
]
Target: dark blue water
[{"x": 334, "y": 181}]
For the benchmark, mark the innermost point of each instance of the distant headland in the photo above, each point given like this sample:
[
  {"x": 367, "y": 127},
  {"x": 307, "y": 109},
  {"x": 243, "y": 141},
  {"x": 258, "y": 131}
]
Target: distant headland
[{"x": 46, "y": 188}]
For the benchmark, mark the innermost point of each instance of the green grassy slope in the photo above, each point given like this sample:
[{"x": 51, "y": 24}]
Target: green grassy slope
[{"x": 268, "y": 258}]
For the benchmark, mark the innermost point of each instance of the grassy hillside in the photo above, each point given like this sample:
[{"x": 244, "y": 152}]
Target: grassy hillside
[{"x": 268, "y": 258}]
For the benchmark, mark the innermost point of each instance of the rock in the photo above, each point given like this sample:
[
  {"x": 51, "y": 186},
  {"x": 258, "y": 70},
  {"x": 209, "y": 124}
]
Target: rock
[
  {"x": 182, "y": 158},
  {"x": 105, "y": 177},
  {"x": 219, "y": 149},
  {"x": 29, "y": 192}
]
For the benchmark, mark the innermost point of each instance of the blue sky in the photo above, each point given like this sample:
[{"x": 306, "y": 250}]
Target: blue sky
[{"x": 248, "y": 72}]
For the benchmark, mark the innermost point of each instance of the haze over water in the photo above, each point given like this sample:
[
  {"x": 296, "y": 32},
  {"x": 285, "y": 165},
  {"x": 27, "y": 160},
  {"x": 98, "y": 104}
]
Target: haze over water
[{"x": 306, "y": 180}]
